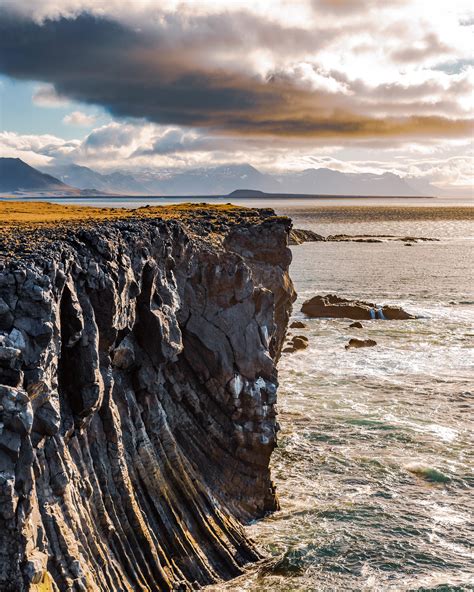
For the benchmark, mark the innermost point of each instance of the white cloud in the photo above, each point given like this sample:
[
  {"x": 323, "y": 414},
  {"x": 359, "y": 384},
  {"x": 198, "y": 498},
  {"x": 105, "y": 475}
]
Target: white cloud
[
  {"x": 45, "y": 95},
  {"x": 146, "y": 146},
  {"x": 79, "y": 119},
  {"x": 375, "y": 59}
]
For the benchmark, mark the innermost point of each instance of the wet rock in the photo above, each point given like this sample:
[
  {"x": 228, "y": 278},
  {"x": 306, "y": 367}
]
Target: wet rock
[
  {"x": 298, "y": 325},
  {"x": 356, "y": 325},
  {"x": 300, "y": 342},
  {"x": 332, "y": 306},
  {"x": 355, "y": 343},
  {"x": 378, "y": 238}
]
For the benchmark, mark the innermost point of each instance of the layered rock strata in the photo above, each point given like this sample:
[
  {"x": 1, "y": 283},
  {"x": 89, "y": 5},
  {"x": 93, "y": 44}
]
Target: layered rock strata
[{"x": 137, "y": 395}]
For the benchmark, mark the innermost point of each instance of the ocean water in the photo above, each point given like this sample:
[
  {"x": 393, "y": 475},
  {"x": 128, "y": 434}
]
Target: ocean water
[{"x": 375, "y": 463}]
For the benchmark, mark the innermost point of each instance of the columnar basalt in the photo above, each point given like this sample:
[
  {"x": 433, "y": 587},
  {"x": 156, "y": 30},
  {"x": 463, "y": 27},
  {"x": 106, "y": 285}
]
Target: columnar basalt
[{"x": 137, "y": 396}]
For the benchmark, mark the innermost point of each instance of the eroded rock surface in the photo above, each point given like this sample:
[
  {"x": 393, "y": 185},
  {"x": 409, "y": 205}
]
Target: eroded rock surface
[
  {"x": 299, "y": 236},
  {"x": 334, "y": 307},
  {"x": 137, "y": 397}
]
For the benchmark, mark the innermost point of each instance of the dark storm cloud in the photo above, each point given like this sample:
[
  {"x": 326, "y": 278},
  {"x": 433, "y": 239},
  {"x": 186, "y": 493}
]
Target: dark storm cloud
[{"x": 171, "y": 72}]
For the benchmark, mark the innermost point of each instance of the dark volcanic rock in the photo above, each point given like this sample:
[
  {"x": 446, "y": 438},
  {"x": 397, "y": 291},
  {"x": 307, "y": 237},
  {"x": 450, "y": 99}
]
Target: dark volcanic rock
[
  {"x": 378, "y": 238},
  {"x": 297, "y": 325},
  {"x": 355, "y": 343},
  {"x": 137, "y": 398},
  {"x": 347, "y": 238},
  {"x": 298, "y": 236},
  {"x": 297, "y": 342},
  {"x": 300, "y": 342},
  {"x": 332, "y": 306}
]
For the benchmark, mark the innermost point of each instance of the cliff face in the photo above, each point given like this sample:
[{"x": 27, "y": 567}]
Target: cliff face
[{"x": 137, "y": 397}]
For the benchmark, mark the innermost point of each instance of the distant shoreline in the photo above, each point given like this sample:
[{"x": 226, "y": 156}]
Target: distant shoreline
[{"x": 249, "y": 195}]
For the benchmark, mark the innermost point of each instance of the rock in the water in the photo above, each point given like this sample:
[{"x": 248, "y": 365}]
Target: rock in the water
[
  {"x": 300, "y": 342},
  {"x": 299, "y": 236},
  {"x": 356, "y": 325},
  {"x": 297, "y": 342},
  {"x": 360, "y": 343},
  {"x": 334, "y": 307},
  {"x": 297, "y": 325},
  {"x": 137, "y": 395}
]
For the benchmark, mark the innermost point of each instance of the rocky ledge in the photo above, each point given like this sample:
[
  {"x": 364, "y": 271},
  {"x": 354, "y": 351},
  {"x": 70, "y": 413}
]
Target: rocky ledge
[{"x": 138, "y": 384}]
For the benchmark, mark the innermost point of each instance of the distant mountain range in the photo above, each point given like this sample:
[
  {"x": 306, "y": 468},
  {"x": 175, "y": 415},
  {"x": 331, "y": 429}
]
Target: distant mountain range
[
  {"x": 16, "y": 177},
  {"x": 21, "y": 180},
  {"x": 222, "y": 180}
]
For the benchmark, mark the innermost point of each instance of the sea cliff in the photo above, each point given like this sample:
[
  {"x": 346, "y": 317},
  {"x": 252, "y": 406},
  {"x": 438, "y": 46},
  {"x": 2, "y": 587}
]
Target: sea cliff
[{"x": 138, "y": 385}]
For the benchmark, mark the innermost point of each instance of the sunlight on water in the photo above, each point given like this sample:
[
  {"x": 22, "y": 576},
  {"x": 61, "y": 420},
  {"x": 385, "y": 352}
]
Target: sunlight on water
[{"x": 375, "y": 464}]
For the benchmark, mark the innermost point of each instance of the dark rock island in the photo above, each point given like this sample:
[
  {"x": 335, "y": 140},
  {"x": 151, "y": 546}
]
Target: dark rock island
[{"x": 138, "y": 382}]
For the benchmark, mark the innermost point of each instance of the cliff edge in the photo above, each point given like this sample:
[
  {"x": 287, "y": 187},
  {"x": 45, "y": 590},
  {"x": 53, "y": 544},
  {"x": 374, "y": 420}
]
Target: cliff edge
[{"x": 137, "y": 392}]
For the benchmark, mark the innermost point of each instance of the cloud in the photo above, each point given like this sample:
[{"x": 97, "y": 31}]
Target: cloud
[
  {"x": 429, "y": 46},
  {"x": 351, "y": 7},
  {"x": 37, "y": 150},
  {"x": 229, "y": 72},
  {"x": 45, "y": 95},
  {"x": 79, "y": 119}
]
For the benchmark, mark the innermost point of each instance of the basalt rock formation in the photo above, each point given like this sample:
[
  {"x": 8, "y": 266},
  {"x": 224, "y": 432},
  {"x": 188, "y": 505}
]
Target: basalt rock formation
[
  {"x": 334, "y": 307},
  {"x": 137, "y": 395},
  {"x": 298, "y": 236}
]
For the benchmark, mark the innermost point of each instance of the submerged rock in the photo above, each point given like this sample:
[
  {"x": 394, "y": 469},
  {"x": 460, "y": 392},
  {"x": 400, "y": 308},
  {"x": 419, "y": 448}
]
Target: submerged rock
[
  {"x": 300, "y": 342},
  {"x": 332, "y": 306},
  {"x": 361, "y": 343},
  {"x": 137, "y": 396},
  {"x": 297, "y": 342},
  {"x": 298, "y": 325}
]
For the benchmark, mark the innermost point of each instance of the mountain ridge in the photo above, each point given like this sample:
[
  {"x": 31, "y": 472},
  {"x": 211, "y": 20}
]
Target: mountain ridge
[
  {"x": 19, "y": 178},
  {"x": 16, "y": 175},
  {"x": 224, "y": 179}
]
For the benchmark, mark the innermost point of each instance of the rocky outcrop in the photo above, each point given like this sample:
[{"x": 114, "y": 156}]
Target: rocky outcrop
[
  {"x": 299, "y": 236},
  {"x": 297, "y": 325},
  {"x": 137, "y": 396},
  {"x": 296, "y": 343},
  {"x": 334, "y": 307}
]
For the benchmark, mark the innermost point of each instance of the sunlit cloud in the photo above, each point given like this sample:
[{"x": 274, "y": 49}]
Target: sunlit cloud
[
  {"x": 189, "y": 82},
  {"x": 79, "y": 119},
  {"x": 45, "y": 95}
]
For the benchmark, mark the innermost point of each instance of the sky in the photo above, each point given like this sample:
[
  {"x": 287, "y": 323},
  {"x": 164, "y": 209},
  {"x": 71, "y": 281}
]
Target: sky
[{"x": 284, "y": 85}]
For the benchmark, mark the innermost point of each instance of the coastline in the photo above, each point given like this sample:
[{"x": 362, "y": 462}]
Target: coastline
[{"x": 126, "y": 383}]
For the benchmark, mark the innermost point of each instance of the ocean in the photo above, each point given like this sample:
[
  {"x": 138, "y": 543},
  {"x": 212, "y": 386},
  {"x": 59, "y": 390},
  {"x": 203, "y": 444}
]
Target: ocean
[{"x": 375, "y": 462}]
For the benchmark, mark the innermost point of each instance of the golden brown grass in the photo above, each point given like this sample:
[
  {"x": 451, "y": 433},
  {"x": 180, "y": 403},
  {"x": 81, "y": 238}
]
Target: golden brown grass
[{"x": 39, "y": 213}]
